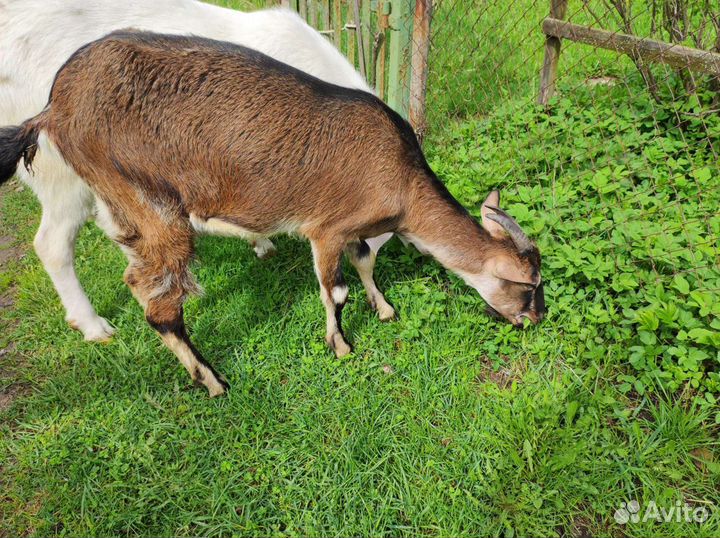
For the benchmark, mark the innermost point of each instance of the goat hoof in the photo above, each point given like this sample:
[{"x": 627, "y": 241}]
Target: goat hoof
[
  {"x": 337, "y": 343},
  {"x": 264, "y": 249},
  {"x": 386, "y": 312},
  {"x": 215, "y": 387},
  {"x": 267, "y": 255},
  {"x": 93, "y": 330},
  {"x": 217, "y": 391},
  {"x": 343, "y": 349}
]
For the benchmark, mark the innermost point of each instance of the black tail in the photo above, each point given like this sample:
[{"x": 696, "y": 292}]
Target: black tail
[{"x": 17, "y": 142}]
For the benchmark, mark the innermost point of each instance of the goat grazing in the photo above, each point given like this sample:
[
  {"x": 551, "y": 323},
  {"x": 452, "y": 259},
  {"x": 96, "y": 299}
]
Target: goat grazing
[
  {"x": 37, "y": 36},
  {"x": 178, "y": 135}
]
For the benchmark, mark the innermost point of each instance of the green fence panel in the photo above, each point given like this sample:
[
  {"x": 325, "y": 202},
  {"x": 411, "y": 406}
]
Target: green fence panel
[{"x": 373, "y": 34}]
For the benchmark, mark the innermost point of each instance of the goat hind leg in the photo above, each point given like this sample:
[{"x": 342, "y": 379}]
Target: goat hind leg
[
  {"x": 363, "y": 259},
  {"x": 264, "y": 248},
  {"x": 164, "y": 313},
  {"x": 66, "y": 205},
  {"x": 333, "y": 293}
]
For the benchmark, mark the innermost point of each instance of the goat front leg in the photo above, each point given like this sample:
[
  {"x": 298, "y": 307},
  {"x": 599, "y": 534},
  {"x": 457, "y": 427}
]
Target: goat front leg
[
  {"x": 333, "y": 292},
  {"x": 363, "y": 259}
]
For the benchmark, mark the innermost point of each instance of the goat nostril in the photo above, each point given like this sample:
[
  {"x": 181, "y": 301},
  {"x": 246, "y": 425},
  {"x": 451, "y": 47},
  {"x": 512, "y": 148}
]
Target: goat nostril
[{"x": 533, "y": 317}]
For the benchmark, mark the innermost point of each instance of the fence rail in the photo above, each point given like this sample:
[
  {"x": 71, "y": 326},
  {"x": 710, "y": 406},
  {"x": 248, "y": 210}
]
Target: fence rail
[{"x": 644, "y": 49}]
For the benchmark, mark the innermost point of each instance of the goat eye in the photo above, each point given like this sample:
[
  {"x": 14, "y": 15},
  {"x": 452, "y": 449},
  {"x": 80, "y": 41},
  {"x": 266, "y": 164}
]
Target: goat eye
[{"x": 521, "y": 285}]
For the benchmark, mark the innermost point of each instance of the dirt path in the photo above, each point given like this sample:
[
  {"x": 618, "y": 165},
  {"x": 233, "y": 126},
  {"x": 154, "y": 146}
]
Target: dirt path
[{"x": 11, "y": 252}]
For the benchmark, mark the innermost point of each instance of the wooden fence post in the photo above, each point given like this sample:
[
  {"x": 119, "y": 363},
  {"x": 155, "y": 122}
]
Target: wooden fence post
[
  {"x": 419, "y": 59},
  {"x": 552, "y": 55},
  {"x": 337, "y": 23},
  {"x": 383, "y": 12},
  {"x": 312, "y": 14},
  {"x": 366, "y": 21}
]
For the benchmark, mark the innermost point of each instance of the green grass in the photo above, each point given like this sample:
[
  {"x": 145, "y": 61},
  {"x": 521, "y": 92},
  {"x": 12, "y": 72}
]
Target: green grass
[{"x": 444, "y": 423}]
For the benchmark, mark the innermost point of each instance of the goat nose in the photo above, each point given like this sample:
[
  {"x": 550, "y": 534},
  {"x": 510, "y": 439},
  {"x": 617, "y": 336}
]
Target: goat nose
[{"x": 534, "y": 317}]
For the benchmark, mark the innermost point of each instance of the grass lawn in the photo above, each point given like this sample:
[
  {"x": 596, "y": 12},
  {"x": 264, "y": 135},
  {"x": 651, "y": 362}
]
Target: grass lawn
[{"x": 444, "y": 423}]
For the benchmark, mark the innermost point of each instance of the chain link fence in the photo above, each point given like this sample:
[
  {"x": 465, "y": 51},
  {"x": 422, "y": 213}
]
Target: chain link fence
[
  {"x": 599, "y": 121},
  {"x": 607, "y": 146}
]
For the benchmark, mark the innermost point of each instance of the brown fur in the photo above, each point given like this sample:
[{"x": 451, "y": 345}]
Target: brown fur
[{"x": 165, "y": 127}]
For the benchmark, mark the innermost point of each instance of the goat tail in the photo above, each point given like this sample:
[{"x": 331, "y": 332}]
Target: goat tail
[{"x": 18, "y": 142}]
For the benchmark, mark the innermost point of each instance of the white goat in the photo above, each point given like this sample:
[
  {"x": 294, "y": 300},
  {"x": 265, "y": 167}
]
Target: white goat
[{"x": 37, "y": 37}]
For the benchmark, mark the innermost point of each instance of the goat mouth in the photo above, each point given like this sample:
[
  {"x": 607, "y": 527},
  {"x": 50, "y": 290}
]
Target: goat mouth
[
  {"x": 490, "y": 311},
  {"x": 517, "y": 322}
]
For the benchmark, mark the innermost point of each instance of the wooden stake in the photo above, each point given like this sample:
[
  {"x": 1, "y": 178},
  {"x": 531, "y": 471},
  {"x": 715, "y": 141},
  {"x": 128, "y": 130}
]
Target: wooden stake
[
  {"x": 326, "y": 15},
  {"x": 337, "y": 23},
  {"x": 366, "y": 23},
  {"x": 312, "y": 14},
  {"x": 382, "y": 18},
  {"x": 350, "y": 52},
  {"x": 552, "y": 55},
  {"x": 419, "y": 59},
  {"x": 398, "y": 84}
]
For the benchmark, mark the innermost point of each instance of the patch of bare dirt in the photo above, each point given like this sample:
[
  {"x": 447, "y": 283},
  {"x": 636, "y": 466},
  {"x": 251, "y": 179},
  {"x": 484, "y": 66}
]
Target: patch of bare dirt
[
  {"x": 14, "y": 514},
  {"x": 579, "y": 528},
  {"x": 583, "y": 526},
  {"x": 502, "y": 375},
  {"x": 10, "y": 362}
]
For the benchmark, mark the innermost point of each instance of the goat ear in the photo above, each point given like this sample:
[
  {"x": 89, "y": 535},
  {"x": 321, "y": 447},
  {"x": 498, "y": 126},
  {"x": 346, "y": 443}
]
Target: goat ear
[{"x": 492, "y": 227}]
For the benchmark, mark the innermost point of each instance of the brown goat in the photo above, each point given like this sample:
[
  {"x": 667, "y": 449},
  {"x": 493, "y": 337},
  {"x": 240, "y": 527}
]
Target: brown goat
[{"x": 180, "y": 135}]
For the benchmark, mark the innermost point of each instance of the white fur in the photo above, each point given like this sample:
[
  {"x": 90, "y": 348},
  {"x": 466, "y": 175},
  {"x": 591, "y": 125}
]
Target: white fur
[
  {"x": 37, "y": 36},
  {"x": 375, "y": 243},
  {"x": 264, "y": 248},
  {"x": 339, "y": 294},
  {"x": 486, "y": 285},
  {"x": 213, "y": 226},
  {"x": 438, "y": 251}
]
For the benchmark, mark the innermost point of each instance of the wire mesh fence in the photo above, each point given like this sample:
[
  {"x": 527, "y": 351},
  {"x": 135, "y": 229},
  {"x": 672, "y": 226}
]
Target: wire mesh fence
[{"x": 615, "y": 171}]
